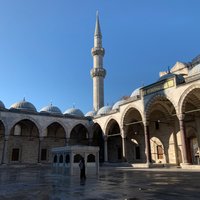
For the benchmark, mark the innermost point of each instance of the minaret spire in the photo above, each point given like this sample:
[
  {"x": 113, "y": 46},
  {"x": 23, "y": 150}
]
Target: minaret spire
[
  {"x": 97, "y": 27},
  {"x": 98, "y": 73}
]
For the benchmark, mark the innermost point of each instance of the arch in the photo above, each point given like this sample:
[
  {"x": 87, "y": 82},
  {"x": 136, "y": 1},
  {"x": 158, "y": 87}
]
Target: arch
[
  {"x": 182, "y": 99},
  {"x": 64, "y": 125},
  {"x": 127, "y": 110},
  {"x": 2, "y": 129},
  {"x": 55, "y": 133},
  {"x": 61, "y": 158},
  {"x": 79, "y": 135},
  {"x": 98, "y": 140},
  {"x": 153, "y": 99},
  {"x": 157, "y": 150},
  {"x": 91, "y": 158},
  {"x": 112, "y": 124},
  {"x": 107, "y": 122},
  {"x": 77, "y": 158},
  {"x": 15, "y": 121},
  {"x": 55, "y": 159}
]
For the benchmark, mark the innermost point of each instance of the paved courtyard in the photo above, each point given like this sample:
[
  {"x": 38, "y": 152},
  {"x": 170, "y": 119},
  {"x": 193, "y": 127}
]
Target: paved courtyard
[{"x": 112, "y": 183}]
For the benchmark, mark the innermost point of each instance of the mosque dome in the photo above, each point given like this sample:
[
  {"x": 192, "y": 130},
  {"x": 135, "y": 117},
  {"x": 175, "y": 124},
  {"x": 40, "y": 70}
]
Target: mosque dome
[
  {"x": 136, "y": 92},
  {"x": 90, "y": 114},
  {"x": 194, "y": 70},
  {"x": 23, "y": 106},
  {"x": 51, "y": 110},
  {"x": 179, "y": 77},
  {"x": 104, "y": 110},
  {"x": 75, "y": 112},
  {"x": 2, "y": 105},
  {"x": 117, "y": 104}
]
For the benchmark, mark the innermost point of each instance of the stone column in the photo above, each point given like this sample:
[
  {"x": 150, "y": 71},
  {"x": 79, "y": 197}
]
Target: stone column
[
  {"x": 97, "y": 163},
  {"x": 183, "y": 139},
  {"x": 67, "y": 141},
  {"x": 147, "y": 143},
  {"x": 105, "y": 148},
  {"x": 5, "y": 150},
  {"x": 39, "y": 149},
  {"x": 124, "y": 145}
]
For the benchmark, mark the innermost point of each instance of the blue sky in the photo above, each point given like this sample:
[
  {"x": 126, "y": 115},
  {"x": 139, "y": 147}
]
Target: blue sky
[{"x": 45, "y": 47}]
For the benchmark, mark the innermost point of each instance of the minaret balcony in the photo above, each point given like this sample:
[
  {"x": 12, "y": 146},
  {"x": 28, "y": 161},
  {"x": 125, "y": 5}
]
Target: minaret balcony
[
  {"x": 98, "y": 51},
  {"x": 98, "y": 72}
]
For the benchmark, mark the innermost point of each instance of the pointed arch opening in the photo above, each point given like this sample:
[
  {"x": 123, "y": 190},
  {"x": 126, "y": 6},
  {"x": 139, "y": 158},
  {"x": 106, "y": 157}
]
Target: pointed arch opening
[
  {"x": 163, "y": 125},
  {"x": 191, "y": 109},
  {"x": 114, "y": 142},
  {"x": 98, "y": 140},
  {"x": 23, "y": 142},
  {"x": 55, "y": 137},
  {"x": 79, "y": 135},
  {"x": 134, "y": 131}
]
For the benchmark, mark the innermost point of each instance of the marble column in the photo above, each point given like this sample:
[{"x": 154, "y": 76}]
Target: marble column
[
  {"x": 5, "y": 150},
  {"x": 147, "y": 143},
  {"x": 105, "y": 148},
  {"x": 39, "y": 149},
  {"x": 183, "y": 139},
  {"x": 124, "y": 145}
]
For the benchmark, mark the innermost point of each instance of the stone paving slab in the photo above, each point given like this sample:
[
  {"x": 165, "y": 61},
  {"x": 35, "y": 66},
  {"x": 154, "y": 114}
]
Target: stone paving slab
[{"x": 112, "y": 183}]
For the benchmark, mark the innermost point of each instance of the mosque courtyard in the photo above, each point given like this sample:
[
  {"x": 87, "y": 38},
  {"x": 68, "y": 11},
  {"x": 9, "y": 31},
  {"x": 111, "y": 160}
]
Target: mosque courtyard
[{"x": 122, "y": 183}]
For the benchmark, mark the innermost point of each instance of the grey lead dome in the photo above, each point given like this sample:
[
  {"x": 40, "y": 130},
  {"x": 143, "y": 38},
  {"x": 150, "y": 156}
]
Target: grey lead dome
[
  {"x": 23, "y": 106},
  {"x": 75, "y": 112},
  {"x": 2, "y": 106},
  {"x": 51, "y": 110}
]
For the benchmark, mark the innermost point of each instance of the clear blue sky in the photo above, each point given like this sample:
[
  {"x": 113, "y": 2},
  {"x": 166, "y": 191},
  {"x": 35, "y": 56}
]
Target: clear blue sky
[{"x": 45, "y": 47}]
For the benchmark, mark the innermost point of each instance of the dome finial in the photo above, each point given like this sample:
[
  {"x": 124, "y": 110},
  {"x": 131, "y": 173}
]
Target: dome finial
[{"x": 24, "y": 99}]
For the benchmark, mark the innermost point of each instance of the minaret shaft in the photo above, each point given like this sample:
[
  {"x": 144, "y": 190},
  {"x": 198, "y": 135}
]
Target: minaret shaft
[{"x": 98, "y": 72}]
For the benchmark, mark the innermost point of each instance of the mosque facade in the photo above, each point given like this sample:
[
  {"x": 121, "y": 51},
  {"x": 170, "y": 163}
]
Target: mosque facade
[{"x": 157, "y": 124}]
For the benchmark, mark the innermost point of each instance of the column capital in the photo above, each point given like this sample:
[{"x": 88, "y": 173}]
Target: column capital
[{"x": 181, "y": 116}]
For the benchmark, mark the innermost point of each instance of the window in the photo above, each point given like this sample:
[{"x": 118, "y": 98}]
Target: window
[
  {"x": 15, "y": 154},
  {"x": 160, "y": 152},
  {"x": 157, "y": 125}
]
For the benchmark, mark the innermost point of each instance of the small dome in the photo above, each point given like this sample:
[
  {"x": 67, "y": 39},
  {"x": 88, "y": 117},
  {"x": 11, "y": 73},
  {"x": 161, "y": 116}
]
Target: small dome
[
  {"x": 2, "y": 105},
  {"x": 117, "y": 104},
  {"x": 136, "y": 92},
  {"x": 166, "y": 76},
  {"x": 75, "y": 112},
  {"x": 194, "y": 70},
  {"x": 24, "y": 106},
  {"x": 51, "y": 110},
  {"x": 104, "y": 110},
  {"x": 90, "y": 114}
]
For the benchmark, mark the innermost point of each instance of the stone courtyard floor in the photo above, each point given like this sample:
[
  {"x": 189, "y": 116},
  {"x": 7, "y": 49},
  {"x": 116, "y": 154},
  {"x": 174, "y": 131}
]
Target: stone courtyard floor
[{"x": 112, "y": 183}]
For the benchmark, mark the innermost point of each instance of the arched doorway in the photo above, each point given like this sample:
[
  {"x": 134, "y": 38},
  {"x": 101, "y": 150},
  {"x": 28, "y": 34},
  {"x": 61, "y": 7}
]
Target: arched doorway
[
  {"x": 23, "y": 143},
  {"x": 114, "y": 142},
  {"x": 98, "y": 140},
  {"x": 191, "y": 109},
  {"x": 134, "y": 131},
  {"x": 79, "y": 135},
  {"x": 55, "y": 137},
  {"x": 163, "y": 130}
]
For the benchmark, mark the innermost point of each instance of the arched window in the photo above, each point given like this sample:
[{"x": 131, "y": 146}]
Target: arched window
[
  {"x": 77, "y": 158},
  {"x": 91, "y": 158},
  {"x": 61, "y": 159},
  {"x": 55, "y": 159}
]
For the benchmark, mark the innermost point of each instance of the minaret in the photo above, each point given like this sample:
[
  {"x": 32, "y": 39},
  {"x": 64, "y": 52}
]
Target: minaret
[{"x": 98, "y": 73}]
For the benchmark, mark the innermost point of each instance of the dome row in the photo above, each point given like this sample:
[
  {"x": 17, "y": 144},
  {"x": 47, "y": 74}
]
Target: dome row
[{"x": 29, "y": 107}]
